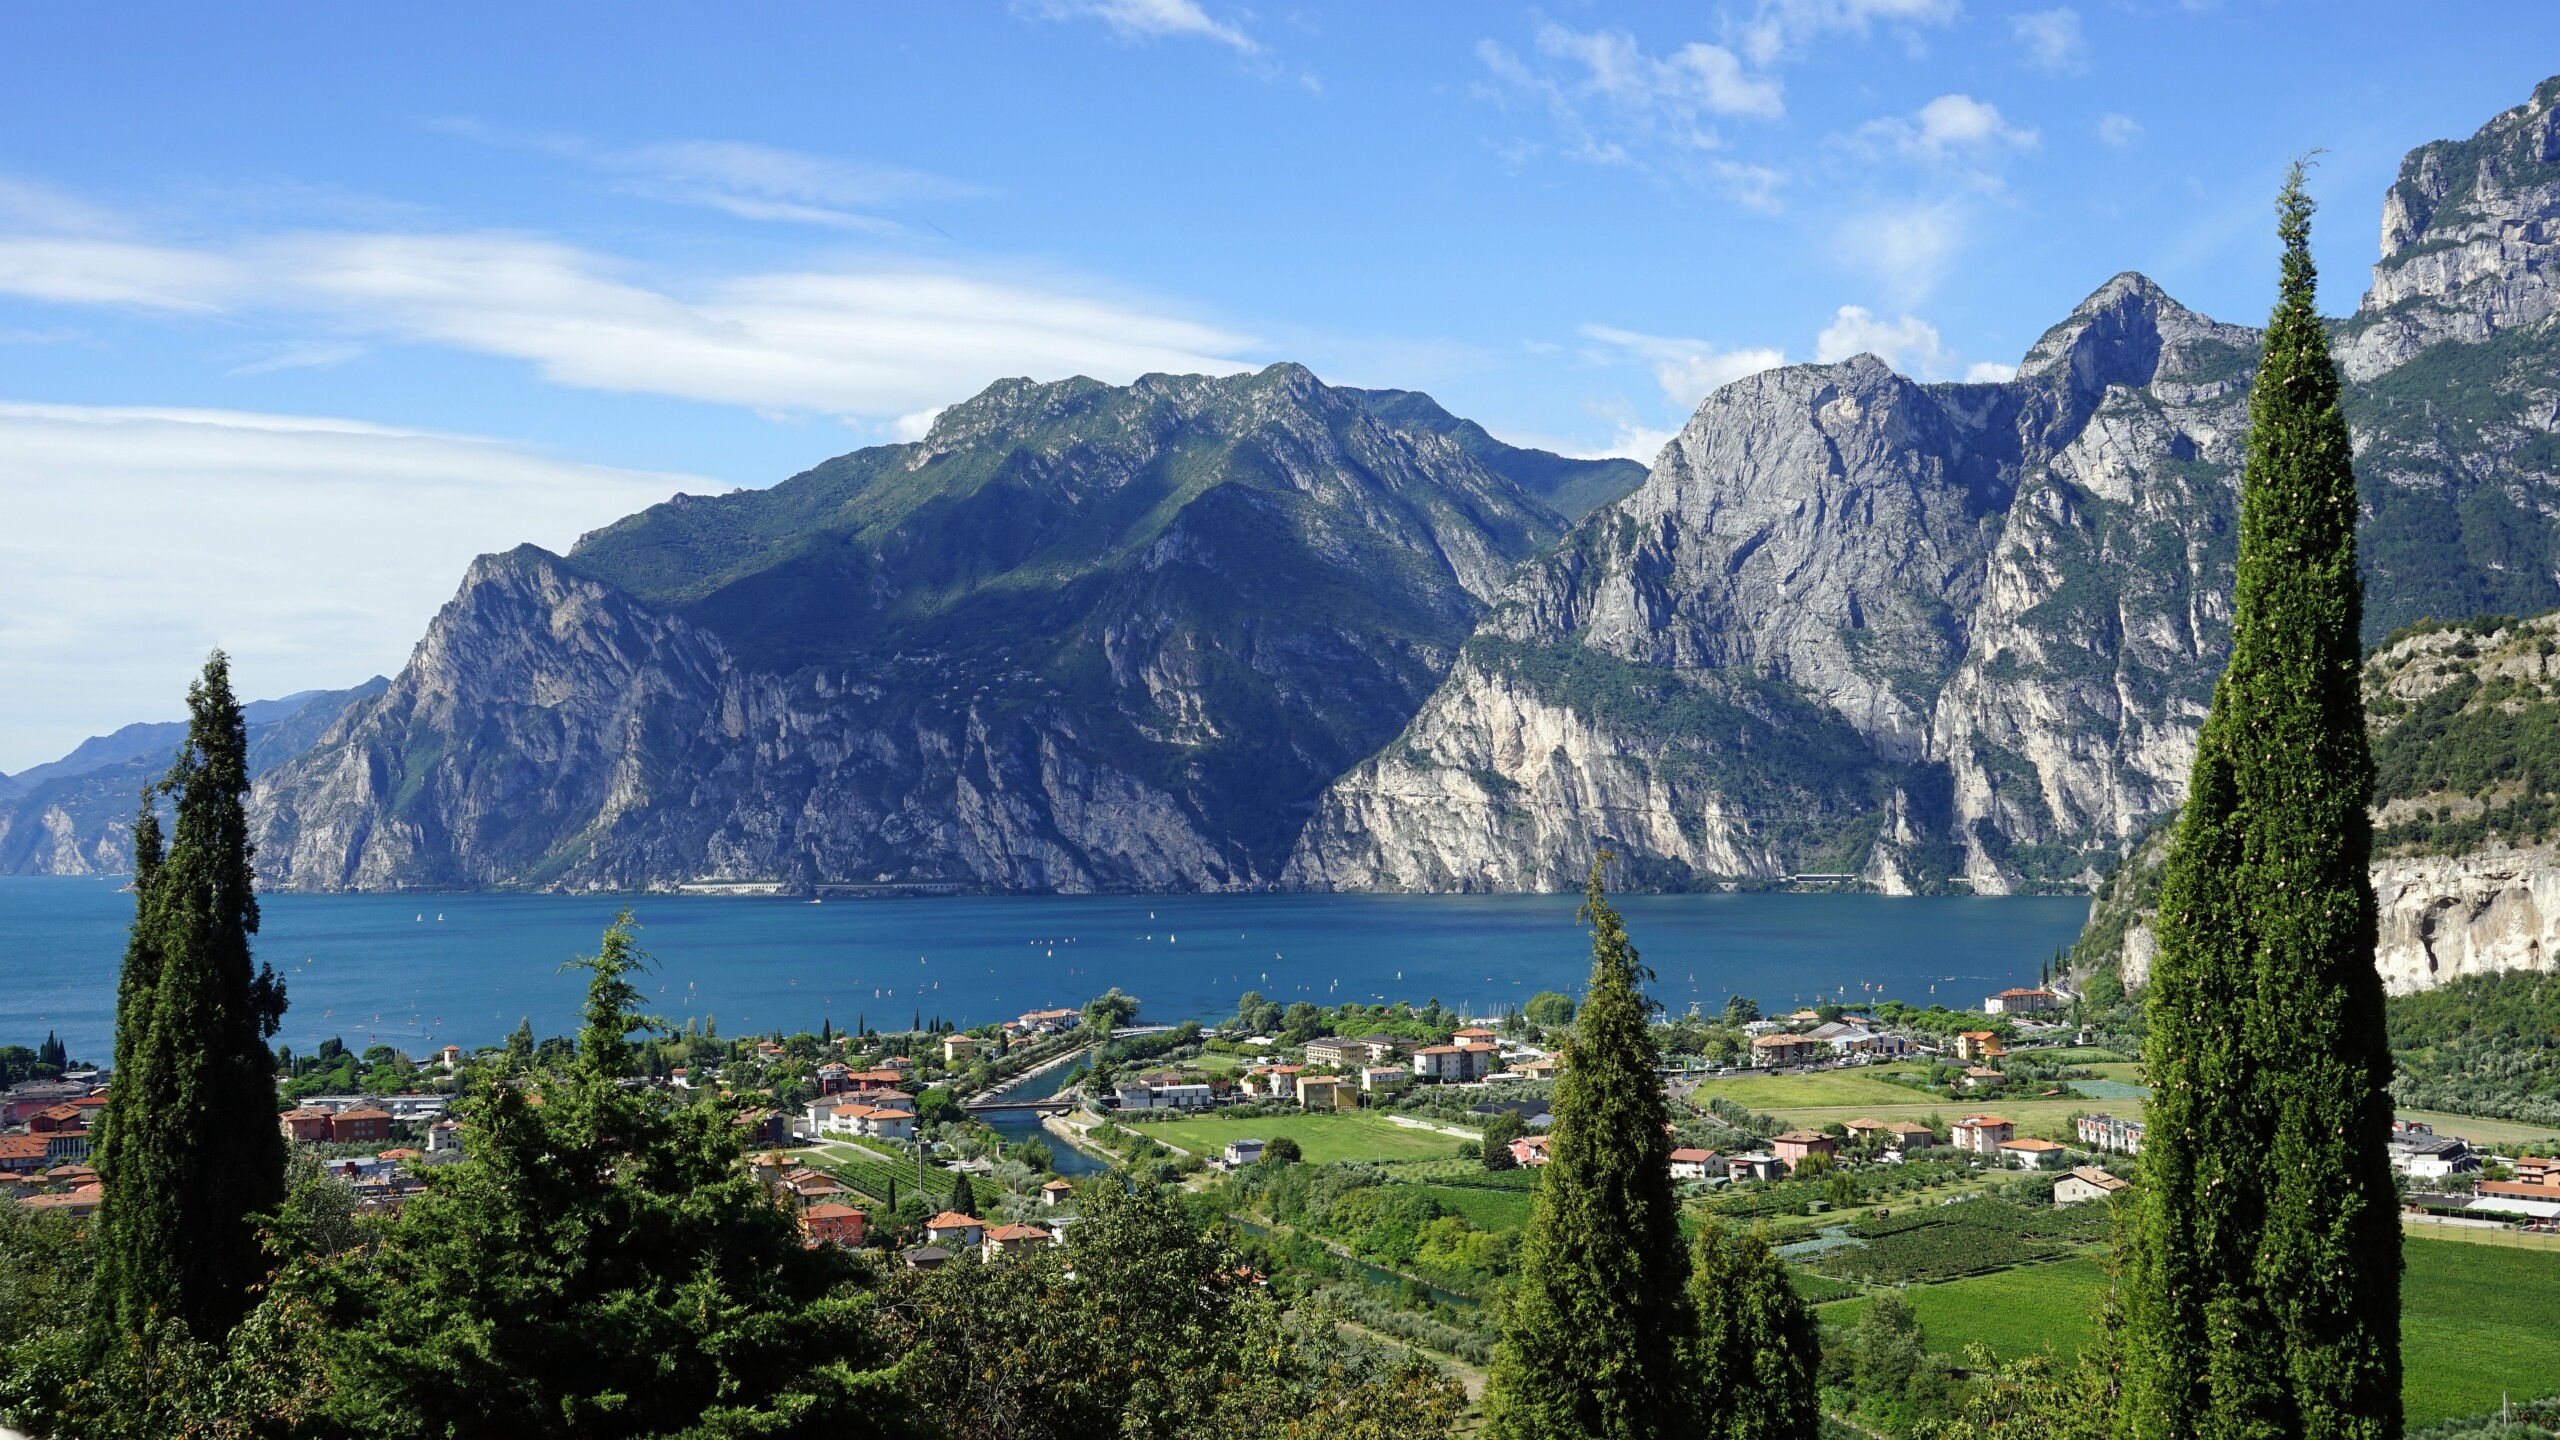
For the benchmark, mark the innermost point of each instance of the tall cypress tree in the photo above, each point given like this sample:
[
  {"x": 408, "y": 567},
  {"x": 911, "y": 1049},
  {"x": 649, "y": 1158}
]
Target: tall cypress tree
[
  {"x": 2264, "y": 1280},
  {"x": 1755, "y": 1358},
  {"x": 188, "y": 1145},
  {"x": 1590, "y": 1344}
]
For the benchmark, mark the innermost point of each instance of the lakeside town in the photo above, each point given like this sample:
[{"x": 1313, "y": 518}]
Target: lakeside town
[{"x": 1379, "y": 1161}]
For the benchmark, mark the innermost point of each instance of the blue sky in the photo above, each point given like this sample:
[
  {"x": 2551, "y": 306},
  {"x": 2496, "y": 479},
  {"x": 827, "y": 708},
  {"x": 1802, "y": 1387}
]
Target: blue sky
[{"x": 302, "y": 306}]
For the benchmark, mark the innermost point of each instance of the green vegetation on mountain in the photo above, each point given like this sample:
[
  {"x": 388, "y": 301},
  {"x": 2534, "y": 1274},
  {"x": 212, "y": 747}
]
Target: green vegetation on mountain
[
  {"x": 2481, "y": 1045},
  {"x": 2263, "y": 1286},
  {"x": 188, "y": 1153},
  {"x": 1574, "y": 488}
]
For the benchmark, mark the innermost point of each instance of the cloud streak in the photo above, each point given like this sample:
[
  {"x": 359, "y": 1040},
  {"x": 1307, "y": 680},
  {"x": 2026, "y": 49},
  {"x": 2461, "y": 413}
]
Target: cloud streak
[
  {"x": 870, "y": 342},
  {"x": 180, "y": 530}
]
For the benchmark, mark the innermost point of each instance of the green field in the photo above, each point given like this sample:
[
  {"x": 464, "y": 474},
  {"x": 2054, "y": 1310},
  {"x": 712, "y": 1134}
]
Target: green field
[
  {"x": 1826, "y": 1088},
  {"x": 2089, "y": 1055},
  {"x": 1349, "y": 1135},
  {"x": 1485, "y": 1209},
  {"x": 2538, "y": 1138},
  {"x": 2477, "y": 1321}
]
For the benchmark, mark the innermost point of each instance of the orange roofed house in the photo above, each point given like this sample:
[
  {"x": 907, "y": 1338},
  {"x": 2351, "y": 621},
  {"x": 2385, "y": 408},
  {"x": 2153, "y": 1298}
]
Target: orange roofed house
[
  {"x": 833, "y": 1223},
  {"x": 1797, "y": 1146},
  {"x": 1982, "y": 1134}
]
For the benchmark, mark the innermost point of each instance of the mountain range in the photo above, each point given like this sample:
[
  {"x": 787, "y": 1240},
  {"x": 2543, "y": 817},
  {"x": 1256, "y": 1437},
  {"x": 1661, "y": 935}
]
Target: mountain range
[{"x": 1257, "y": 631}]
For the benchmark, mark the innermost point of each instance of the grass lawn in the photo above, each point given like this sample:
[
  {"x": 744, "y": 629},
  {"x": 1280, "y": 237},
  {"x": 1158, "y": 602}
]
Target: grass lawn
[
  {"x": 2046, "y": 1119},
  {"x": 1348, "y": 1135},
  {"x": 2468, "y": 1235},
  {"x": 2476, "y": 1320},
  {"x": 1485, "y": 1209},
  {"x": 1824, "y": 1088},
  {"x": 2089, "y": 1055},
  {"x": 2488, "y": 1132}
]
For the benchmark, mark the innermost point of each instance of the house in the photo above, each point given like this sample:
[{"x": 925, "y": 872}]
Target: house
[
  {"x": 2536, "y": 1172},
  {"x": 1785, "y": 1050},
  {"x": 1333, "y": 1052},
  {"x": 1328, "y": 1092},
  {"x": 878, "y": 1122},
  {"x": 833, "y": 1223},
  {"x": 959, "y": 1050},
  {"x": 1377, "y": 1079},
  {"x": 29, "y": 1096},
  {"x": 1545, "y": 1067},
  {"x": 2108, "y": 1132},
  {"x": 1753, "y": 1167},
  {"x": 59, "y": 1119},
  {"x": 834, "y": 1078},
  {"x": 808, "y": 1187},
  {"x": 1166, "y": 1093},
  {"x": 1473, "y": 1035},
  {"x": 1453, "y": 1064},
  {"x": 444, "y": 1135},
  {"x": 1981, "y": 1134},
  {"x": 1380, "y": 1049},
  {"x": 1280, "y": 1082},
  {"x": 23, "y": 1152},
  {"x": 2083, "y": 1184},
  {"x": 79, "y": 1203},
  {"x": 887, "y": 1077},
  {"x": 2015, "y": 1001},
  {"x": 2031, "y": 1153},
  {"x": 953, "y": 1228},
  {"x": 1983, "y": 1077},
  {"x": 925, "y": 1257},
  {"x": 1977, "y": 1045},
  {"x": 1796, "y": 1146},
  {"x": 1847, "y": 1037},
  {"x": 1531, "y": 1150},
  {"x": 1689, "y": 1164},
  {"x": 2430, "y": 1156},
  {"x": 450, "y": 1057},
  {"x": 2547, "y": 1192},
  {"x": 1057, "y": 1192},
  {"x": 1050, "y": 1022},
  {"x": 1906, "y": 1135},
  {"x": 1243, "y": 1152},
  {"x": 304, "y": 1123},
  {"x": 362, "y": 1126},
  {"x": 1013, "y": 1239},
  {"x": 1863, "y": 1131}
]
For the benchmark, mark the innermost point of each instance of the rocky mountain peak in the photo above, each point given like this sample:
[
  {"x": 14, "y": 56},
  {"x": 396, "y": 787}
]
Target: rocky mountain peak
[
  {"x": 2470, "y": 237},
  {"x": 2128, "y": 332}
]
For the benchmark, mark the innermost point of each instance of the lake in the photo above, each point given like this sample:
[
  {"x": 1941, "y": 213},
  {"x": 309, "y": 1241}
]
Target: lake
[{"x": 417, "y": 971}]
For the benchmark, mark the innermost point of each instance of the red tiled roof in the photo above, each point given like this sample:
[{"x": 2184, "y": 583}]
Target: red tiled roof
[
  {"x": 1693, "y": 1157},
  {"x": 1018, "y": 1232},
  {"x": 952, "y": 1220}
]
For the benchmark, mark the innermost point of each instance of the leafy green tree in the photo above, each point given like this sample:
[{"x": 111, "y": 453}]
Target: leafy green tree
[
  {"x": 2263, "y": 1291},
  {"x": 1589, "y": 1341},
  {"x": 520, "y": 1047},
  {"x": 1110, "y": 1011},
  {"x": 602, "y": 1265},
  {"x": 1754, "y": 1357},
  {"x": 1500, "y": 1129},
  {"x": 1146, "y": 1327},
  {"x": 1889, "y": 1351},
  {"x": 1740, "y": 1010},
  {"x": 188, "y": 1149},
  {"x": 1549, "y": 1010},
  {"x": 1282, "y": 1151}
]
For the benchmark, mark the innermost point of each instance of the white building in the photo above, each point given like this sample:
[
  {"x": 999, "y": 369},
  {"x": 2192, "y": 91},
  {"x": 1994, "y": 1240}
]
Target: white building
[
  {"x": 1243, "y": 1152},
  {"x": 1454, "y": 1064},
  {"x": 1186, "y": 1096},
  {"x": 2431, "y": 1157}
]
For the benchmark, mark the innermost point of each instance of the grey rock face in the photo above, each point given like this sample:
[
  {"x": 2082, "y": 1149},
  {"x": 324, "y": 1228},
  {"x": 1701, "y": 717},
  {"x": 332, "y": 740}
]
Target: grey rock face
[
  {"x": 2469, "y": 247},
  {"x": 1079, "y": 638}
]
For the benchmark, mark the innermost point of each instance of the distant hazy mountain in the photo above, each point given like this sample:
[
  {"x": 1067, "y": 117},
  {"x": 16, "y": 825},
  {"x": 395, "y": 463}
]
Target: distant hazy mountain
[
  {"x": 74, "y": 816},
  {"x": 1079, "y": 637}
]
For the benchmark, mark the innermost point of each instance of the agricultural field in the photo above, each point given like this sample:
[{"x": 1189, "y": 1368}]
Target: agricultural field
[
  {"x": 1485, "y": 1208},
  {"x": 1348, "y": 1135},
  {"x": 2478, "y": 1321},
  {"x": 873, "y": 1177},
  {"x": 2089, "y": 1055},
  {"x": 1941, "y": 1242}
]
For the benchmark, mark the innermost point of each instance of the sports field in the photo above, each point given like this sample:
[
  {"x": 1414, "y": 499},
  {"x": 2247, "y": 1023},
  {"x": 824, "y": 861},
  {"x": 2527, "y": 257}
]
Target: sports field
[{"x": 1350, "y": 1135}]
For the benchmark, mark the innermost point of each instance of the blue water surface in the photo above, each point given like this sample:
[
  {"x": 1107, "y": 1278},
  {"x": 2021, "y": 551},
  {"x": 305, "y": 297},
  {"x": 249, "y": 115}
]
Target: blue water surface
[{"x": 423, "y": 970}]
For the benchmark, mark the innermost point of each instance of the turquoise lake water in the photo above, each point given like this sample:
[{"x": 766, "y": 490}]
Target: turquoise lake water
[{"x": 422, "y": 970}]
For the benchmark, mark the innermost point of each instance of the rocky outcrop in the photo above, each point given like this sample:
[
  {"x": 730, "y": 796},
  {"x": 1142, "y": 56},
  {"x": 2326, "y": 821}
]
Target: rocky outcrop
[
  {"x": 2469, "y": 243},
  {"x": 2445, "y": 917}
]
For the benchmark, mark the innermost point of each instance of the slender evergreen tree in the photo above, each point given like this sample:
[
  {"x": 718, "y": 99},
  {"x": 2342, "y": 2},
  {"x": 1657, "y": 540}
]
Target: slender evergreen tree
[
  {"x": 1755, "y": 1357},
  {"x": 2262, "y": 1294},
  {"x": 1590, "y": 1343},
  {"x": 188, "y": 1147}
]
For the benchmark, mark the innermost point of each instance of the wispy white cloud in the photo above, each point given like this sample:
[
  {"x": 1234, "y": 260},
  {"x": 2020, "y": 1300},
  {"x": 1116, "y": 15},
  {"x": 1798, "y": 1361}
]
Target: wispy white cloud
[
  {"x": 180, "y": 530},
  {"x": 1982, "y": 372},
  {"x": 1687, "y": 370},
  {"x": 2052, "y": 40},
  {"x": 298, "y": 355},
  {"x": 1951, "y": 127},
  {"x": 1152, "y": 19},
  {"x": 1910, "y": 344},
  {"x": 2119, "y": 131},
  {"x": 1906, "y": 249},
  {"x": 871, "y": 341},
  {"x": 1613, "y": 103},
  {"x": 1780, "y": 29},
  {"x": 735, "y": 177}
]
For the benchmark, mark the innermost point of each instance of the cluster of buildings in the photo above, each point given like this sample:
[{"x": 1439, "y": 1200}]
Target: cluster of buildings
[{"x": 44, "y": 1152}]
